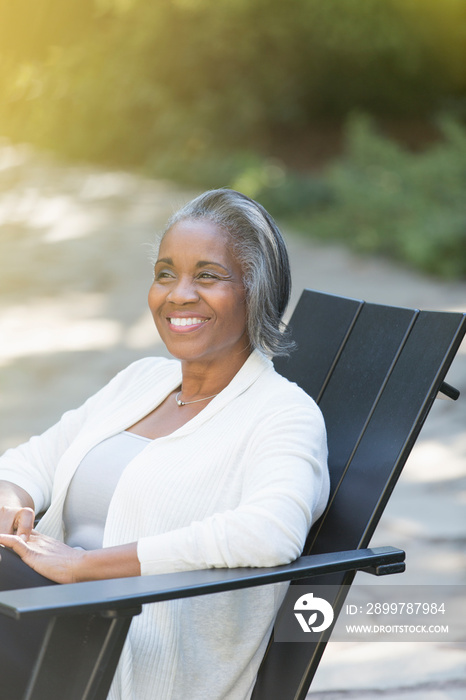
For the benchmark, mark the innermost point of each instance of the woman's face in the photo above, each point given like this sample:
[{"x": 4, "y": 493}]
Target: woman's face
[{"x": 198, "y": 299}]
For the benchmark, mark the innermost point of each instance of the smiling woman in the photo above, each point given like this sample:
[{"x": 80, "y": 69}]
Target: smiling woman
[{"x": 210, "y": 459}]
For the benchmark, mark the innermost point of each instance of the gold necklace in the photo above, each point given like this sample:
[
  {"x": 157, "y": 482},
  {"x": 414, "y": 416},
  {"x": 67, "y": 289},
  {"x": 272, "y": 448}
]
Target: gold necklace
[{"x": 185, "y": 403}]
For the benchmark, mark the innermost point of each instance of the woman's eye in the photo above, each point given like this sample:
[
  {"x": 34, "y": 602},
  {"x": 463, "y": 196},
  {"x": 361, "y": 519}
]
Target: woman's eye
[
  {"x": 207, "y": 276},
  {"x": 162, "y": 274}
]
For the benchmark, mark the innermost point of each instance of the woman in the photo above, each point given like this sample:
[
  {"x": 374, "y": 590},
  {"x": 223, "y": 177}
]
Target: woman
[{"x": 208, "y": 460}]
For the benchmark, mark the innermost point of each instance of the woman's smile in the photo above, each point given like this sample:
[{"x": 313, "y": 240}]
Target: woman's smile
[{"x": 186, "y": 324}]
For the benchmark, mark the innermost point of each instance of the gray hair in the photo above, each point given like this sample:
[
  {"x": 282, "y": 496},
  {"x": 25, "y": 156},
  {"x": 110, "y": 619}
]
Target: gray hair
[{"x": 261, "y": 252}]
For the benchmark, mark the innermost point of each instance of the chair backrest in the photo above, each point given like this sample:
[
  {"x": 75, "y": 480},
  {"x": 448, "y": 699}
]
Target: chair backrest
[{"x": 375, "y": 371}]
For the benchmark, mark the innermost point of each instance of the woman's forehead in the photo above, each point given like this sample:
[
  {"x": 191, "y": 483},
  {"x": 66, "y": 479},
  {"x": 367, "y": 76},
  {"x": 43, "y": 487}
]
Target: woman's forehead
[{"x": 195, "y": 236}]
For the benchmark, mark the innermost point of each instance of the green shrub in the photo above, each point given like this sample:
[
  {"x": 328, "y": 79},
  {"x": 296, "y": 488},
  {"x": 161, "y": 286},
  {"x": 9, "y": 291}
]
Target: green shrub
[{"x": 387, "y": 200}]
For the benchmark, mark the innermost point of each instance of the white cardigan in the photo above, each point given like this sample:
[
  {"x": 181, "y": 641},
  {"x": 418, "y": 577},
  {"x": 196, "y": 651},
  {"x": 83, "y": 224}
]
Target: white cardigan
[{"x": 238, "y": 485}]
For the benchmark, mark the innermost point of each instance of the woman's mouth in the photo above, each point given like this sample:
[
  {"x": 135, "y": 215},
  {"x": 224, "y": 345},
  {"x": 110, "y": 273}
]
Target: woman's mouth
[{"x": 186, "y": 323}]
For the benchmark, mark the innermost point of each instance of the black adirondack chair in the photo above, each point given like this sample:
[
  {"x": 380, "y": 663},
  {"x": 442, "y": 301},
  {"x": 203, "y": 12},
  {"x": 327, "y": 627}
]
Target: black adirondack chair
[{"x": 375, "y": 371}]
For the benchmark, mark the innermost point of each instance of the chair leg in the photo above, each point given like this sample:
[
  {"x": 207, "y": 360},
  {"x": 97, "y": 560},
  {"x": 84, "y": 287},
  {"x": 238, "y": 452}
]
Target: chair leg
[{"x": 79, "y": 656}]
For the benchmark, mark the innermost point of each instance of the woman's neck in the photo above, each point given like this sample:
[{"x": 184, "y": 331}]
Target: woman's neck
[{"x": 209, "y": 378}]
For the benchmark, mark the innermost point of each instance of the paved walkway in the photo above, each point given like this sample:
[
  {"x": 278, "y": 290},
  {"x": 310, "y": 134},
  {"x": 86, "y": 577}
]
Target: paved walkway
[{"x": 74, "y": 275}]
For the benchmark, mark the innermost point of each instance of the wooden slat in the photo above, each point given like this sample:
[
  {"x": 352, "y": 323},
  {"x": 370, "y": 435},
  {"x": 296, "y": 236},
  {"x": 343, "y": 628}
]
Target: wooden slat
[
  {"x": 353, "y": 390},
  {"x": 319, "y": 338}
]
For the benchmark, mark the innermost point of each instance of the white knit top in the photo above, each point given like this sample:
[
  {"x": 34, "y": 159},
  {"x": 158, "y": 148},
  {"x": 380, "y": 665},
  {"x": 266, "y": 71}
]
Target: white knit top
[{"x": 238, "y": 485}]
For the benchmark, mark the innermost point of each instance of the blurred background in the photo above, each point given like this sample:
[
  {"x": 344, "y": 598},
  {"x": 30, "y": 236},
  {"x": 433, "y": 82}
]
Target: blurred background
[
  {"x": 348, "y": 116},
  {"x": 345, "y": 118}
]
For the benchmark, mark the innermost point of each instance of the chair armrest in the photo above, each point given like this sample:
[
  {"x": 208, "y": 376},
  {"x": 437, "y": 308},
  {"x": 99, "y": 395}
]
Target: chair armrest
[{"x": 114, "y": 596}]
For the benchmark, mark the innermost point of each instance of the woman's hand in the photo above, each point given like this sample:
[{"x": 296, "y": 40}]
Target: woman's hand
[
  {"x": 16, "y": 521},
  {"x": 62, "y": 564},
  {"x": 16, "y": 510},
  {"x": 51, "y": 558}
]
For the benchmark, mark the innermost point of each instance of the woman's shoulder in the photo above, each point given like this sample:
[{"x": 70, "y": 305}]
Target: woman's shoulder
[
  {"x": 283, "y": 393},
  {"x": 282, "y": 410}
]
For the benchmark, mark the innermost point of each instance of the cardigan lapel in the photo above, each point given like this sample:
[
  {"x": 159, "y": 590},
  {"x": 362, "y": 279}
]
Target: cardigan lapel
[{"x": 255, "y": 365}]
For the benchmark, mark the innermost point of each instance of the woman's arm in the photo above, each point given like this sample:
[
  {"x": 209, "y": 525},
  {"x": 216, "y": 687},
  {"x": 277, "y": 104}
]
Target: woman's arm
[
  {"x": 62, "y": 564},
  {"x": 285, "y": 488},
  {"x": 16, "y": 510}
]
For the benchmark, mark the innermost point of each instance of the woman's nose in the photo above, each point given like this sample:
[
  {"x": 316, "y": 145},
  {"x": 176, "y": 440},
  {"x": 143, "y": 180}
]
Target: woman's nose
[{"x": 183, "y": 291}]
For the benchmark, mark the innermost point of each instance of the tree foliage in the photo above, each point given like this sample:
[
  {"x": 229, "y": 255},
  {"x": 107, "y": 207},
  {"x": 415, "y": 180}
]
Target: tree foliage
[{"x": 138, "y": 82}]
